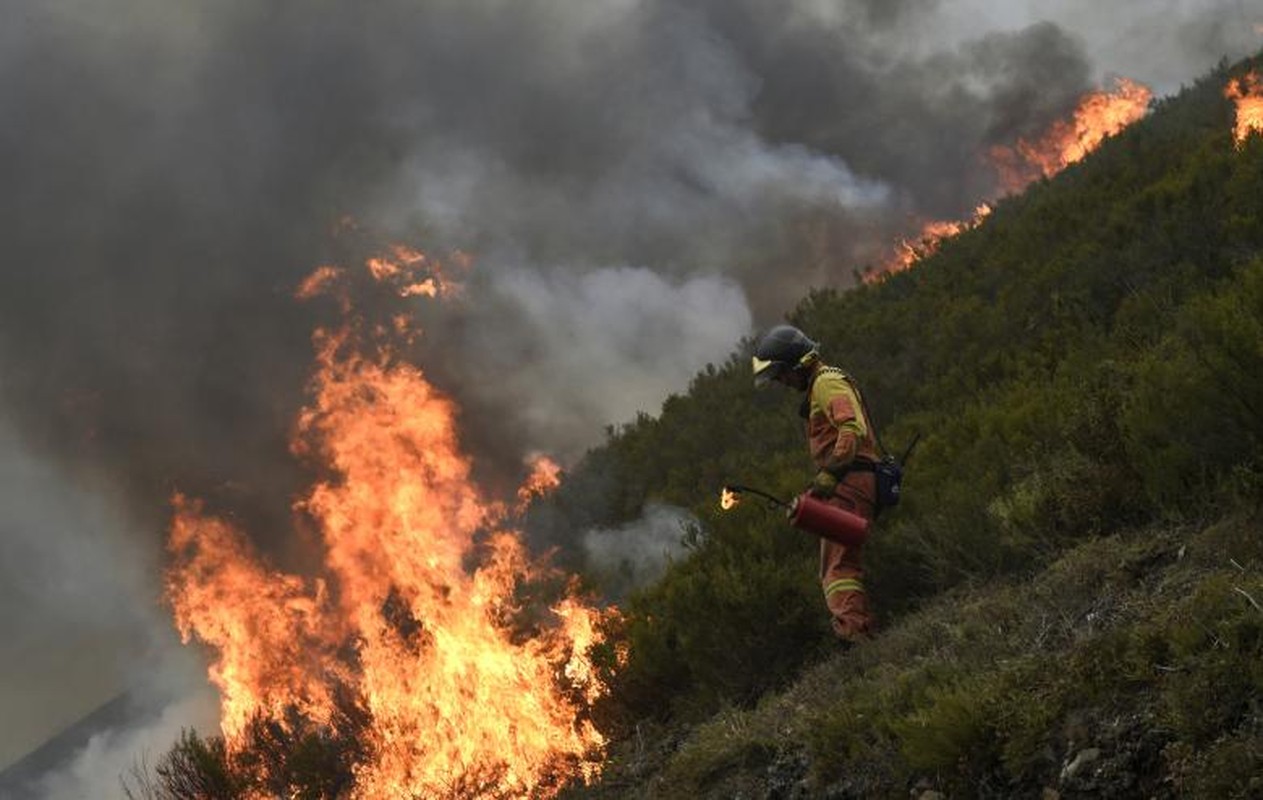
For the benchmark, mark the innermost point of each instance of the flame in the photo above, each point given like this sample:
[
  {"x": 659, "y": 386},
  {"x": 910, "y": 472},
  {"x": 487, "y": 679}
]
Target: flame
[
  {"x": 926, "y": 243},
  {"x": 1247, "y": 92},
  {"x": 402, "y": 265},
  {"x": 1098, "y": 115},
  {"x": 318, "y": 282},
  {"x": 544, "y": 478},
  {"x": 728, "y": 499},
  {"x": 214, "y": 570},
  {"x": 433, "y": 648}
]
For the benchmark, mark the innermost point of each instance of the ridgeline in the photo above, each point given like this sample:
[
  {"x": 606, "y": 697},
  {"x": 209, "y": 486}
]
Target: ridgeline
[{"x": 1071, "y": 590}]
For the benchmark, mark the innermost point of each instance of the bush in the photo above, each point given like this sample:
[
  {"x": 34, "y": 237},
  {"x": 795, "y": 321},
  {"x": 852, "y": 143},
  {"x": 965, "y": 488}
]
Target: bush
[
  {"x": 738, "y": 617},
  {"x": 1195, "y": 417}
]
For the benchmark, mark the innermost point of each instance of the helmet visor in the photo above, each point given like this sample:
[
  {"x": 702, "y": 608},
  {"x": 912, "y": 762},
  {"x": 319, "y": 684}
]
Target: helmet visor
[{"x": 766, "y": 371}]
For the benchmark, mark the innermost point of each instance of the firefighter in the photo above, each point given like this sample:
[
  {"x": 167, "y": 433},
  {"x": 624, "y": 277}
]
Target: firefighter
[{"x": 843, "y": 447}]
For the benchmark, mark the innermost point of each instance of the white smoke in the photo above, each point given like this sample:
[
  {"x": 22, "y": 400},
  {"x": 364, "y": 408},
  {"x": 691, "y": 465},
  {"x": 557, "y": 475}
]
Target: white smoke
[
  {"x": 565, "y": 352},
  {"x": 128, "y": 755},
  {"x": 82, "y": 623},
  {"x": 639, "y": 552}
]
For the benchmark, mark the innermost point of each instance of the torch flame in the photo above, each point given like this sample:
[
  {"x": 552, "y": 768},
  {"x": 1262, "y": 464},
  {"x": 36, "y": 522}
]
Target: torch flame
[
  {"x": 456, "y": 694},
  {"x": 728, "y": 499},
  {"x": 1247, "y": 93}
]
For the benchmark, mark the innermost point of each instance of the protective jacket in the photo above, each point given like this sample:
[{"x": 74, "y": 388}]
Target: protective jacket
[{"x": 839, "y": 435}]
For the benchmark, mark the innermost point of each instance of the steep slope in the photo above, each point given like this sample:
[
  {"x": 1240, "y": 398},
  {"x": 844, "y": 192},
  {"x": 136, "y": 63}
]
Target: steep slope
[
  {"x": 1072, "y": 591},
  {"x": 1085, "y": 370}
]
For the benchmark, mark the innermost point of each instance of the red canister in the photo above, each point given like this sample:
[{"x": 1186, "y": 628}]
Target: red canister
[{"x": 827, "y": 521}]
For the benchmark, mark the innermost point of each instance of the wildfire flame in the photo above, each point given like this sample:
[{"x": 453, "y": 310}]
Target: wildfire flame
[
  {"x": 1247, "y": 92},
  {"x": 1098, "y": 115},
  {"x": 412, "y": 272},
  {"x": 544, "y": 478},
  {"x": 908, "y": 252},
  {"x": 432, "y": 648},
  {"x": 728, "y": 499}
]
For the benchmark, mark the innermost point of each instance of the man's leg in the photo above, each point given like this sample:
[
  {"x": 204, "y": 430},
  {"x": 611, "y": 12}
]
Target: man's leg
[{"x": 842, "y": 578}]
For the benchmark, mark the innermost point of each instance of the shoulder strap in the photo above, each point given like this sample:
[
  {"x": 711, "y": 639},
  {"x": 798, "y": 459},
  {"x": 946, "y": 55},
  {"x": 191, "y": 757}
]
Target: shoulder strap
[{"x": 881, "y": 448}]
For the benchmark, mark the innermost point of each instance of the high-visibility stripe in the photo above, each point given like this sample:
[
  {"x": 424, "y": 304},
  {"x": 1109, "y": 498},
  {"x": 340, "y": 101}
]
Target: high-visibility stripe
[
  {"x": 843, "y": 585},
  {"x": 830, "y": 383}
]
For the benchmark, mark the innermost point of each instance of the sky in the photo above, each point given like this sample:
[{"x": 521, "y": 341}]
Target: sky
[{"x": 639, "y": 185}]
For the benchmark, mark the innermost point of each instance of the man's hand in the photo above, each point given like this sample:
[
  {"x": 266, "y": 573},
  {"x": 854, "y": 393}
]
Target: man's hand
[{"x": 824, "y": 485}]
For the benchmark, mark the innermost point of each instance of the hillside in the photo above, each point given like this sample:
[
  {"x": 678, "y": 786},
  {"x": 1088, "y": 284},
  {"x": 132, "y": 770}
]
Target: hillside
[
  {"x": 1071, "y": 593},
  {"x": 1071, "y": 589}
]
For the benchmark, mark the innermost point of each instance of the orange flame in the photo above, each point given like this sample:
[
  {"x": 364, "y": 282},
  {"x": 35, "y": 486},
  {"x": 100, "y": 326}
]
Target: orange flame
[
  {"x": 402, "y": 265},
  {"x": 1247, "y": 92},
  {"x": 1098, "y": 115},
  {"x": 213, "y": 571},
  {"x": 456, "y": 696},
  {"x": 728, "y": 499},
  {"x": 545, "y": 477},
  {"x": 926, "y": 243}
]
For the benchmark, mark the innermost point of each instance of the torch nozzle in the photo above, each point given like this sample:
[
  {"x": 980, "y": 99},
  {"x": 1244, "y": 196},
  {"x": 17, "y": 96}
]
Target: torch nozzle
[
  {"x": 808, "y": 514},
  {"x": 731, "y": 493}
]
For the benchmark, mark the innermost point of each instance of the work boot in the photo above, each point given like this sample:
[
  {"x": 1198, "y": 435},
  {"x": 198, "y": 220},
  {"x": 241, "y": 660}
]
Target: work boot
[
  {"x": 851, "y": 640},
  {"x": 853, "y": 627}
]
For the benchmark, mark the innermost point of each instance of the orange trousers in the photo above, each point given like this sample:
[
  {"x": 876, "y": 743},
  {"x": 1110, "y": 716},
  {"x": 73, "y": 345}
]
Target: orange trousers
[{"x": 842, "y": 568}]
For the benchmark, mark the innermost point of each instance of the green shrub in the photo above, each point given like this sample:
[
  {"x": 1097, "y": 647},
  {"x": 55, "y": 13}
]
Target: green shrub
[
  {"x": 737, "y": 618},
  {"x": 1196, "y": 415},
  {"x": 952, "y": 731}
]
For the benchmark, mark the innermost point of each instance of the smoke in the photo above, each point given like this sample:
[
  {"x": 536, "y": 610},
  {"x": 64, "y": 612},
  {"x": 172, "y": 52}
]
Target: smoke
[
  {"x": 173, "y": 172},
  {"x": 79, "y": 588},
  {"x": 562, "y": 351},
  {"x": 639, "y": 182},
  {"x": 126, "y": 756},
  {"x": 637, "y": 553},
  {"x": 1164, "y": 43}
]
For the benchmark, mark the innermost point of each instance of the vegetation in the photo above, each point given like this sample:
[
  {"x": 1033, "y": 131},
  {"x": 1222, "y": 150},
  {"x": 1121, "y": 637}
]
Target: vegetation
[
  {"x": 1138, "y": 655},
  {"x": 1088, "y": 362},
  {"x": 1071, "y": 588}
]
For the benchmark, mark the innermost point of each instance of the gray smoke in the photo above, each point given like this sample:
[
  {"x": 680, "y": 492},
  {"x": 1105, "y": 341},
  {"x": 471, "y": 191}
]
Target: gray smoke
[
  {"x": 557, "y": 350},
  {"x": 124, "y": 758},
  {"x": 639, "y": 181},
  {"x": 636, "y": 554},
  {"x": 81, "y": 621}
]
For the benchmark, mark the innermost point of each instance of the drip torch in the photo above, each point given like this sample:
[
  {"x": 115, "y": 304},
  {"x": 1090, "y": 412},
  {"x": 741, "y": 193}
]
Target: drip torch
[{"x": 809, "y": 514}]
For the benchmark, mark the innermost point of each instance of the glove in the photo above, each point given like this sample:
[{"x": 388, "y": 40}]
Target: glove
[{"x": 824, "y": 485}]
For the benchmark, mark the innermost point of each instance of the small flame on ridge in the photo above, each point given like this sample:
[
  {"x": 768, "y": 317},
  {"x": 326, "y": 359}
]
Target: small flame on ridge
[
  {"x": 1246, "y": 92},
  {"x": 908, "y": 252},
  {"x": 1098, "y": 115}
]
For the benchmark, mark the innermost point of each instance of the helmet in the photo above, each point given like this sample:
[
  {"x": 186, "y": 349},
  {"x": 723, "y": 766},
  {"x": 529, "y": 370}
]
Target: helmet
[{"x": 780, "y": 350}]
